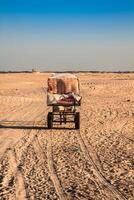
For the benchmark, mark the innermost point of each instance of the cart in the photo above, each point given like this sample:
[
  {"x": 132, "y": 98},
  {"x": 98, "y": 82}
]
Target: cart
[{"x": 64, "y": 98}]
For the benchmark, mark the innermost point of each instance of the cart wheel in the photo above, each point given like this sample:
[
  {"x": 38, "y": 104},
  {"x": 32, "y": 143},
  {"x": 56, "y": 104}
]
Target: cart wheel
[
  {"x": 49, "y": 120},
  {"x": 77, "y": 120}
]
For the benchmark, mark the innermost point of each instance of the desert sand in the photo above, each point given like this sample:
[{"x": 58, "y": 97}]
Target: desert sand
[{"x": 93, "y": 163}]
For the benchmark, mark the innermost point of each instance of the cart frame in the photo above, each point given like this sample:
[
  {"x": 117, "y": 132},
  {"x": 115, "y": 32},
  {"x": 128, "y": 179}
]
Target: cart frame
[{"x": 63, "y": 117}]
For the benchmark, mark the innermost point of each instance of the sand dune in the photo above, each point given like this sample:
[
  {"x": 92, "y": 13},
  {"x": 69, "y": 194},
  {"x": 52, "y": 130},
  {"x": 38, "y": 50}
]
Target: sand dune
[{"x": 93, "y": 163}]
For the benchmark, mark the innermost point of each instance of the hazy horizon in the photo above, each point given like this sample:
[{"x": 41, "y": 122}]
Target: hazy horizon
[
  {"x": 66, "y": 69},
  {"x": 67, "y": 35}
]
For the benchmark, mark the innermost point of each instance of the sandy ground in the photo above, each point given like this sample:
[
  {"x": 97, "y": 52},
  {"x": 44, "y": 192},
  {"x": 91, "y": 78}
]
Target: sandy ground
[{"x": 93, "y": 163}]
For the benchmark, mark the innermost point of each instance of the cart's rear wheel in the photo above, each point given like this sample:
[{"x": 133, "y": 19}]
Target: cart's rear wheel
[
  {"x": 50, "y": 120},
  {"x": 77, "y": 120}
]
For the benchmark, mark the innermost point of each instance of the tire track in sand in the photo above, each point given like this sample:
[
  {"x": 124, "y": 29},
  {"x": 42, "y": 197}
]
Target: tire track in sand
[
  {"x": 96, "y": 169},
  {"x": 15, "y": 166},
  {"x": 20, "y": 191},
  {"x": 25, "y": 143},
  {"x": 40, "y": 152},
  {"x": 4, "y": 147},
  {"x": 52, "y": 172},
  {"x": 6, "y": 144},
  {"x": 14, "y": 171}
]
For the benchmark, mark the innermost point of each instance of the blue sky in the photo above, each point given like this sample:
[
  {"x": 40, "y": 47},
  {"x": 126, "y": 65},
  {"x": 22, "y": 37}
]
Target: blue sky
[
  {"x": 66, "y": 6},
  {"x": 67, "y": 34}
]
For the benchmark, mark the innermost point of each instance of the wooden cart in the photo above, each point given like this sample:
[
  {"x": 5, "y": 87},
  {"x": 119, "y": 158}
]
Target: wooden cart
[{"x": 64, "y": 103}]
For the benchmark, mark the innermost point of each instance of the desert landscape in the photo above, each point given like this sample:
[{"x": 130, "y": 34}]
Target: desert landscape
[{"x": 93, "y": 163}]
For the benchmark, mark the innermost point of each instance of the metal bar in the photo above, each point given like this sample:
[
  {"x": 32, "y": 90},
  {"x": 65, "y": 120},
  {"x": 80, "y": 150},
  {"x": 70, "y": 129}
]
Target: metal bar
[
  {"x": 65, "y": 113},
  {"x": 64, "y": 105},
  {"x": 63, "y": 121}
]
